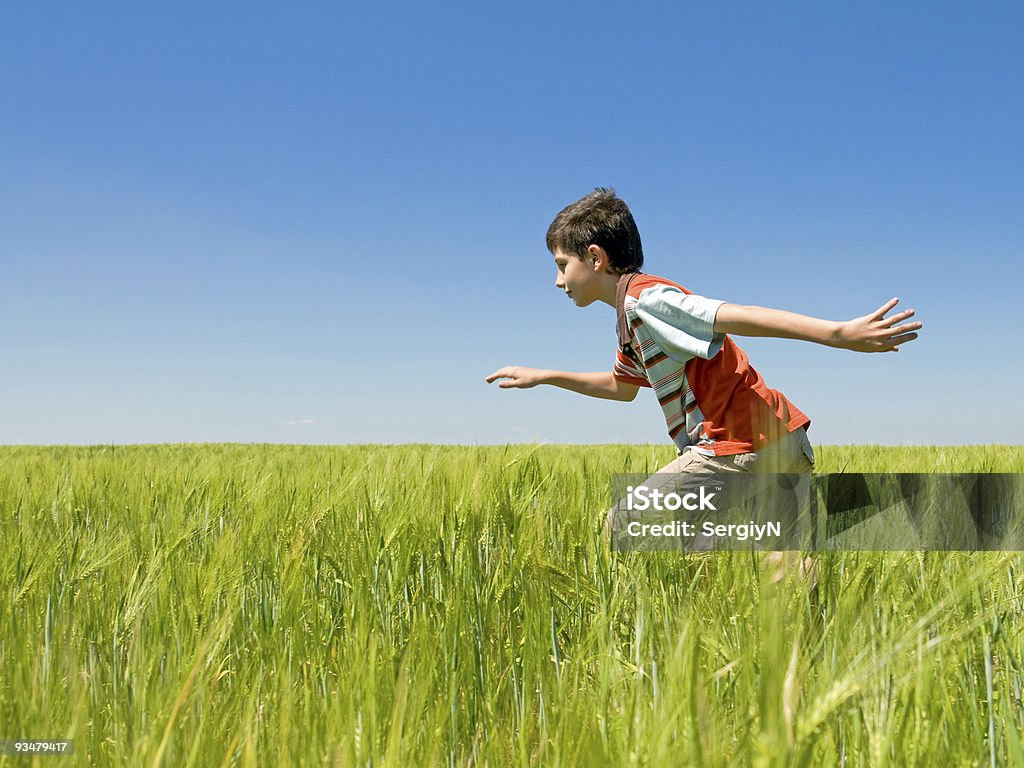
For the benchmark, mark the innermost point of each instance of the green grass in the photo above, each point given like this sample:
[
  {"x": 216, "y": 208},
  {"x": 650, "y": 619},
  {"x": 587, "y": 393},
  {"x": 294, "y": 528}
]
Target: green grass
[{"x": 439, "y": 605}]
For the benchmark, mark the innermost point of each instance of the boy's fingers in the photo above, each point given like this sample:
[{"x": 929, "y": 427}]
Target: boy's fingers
[
  {"x": 885, "y": 308},
  {"x": 897, "y": 340},
  {"x": 891, "y": 321},
  {"x": 907, "y": 327}
]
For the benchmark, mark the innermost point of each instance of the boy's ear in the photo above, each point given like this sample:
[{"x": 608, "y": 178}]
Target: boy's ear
[{"x": 598, "y": 257}]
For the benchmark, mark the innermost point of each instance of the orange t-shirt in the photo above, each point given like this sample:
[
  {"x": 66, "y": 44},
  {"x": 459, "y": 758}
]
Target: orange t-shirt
[{"x": 714, "y": 401}]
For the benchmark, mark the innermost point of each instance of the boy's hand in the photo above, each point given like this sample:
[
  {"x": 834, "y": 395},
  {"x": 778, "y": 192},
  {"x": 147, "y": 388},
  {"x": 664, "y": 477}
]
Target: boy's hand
[
  {"x": 518, "y": 377},
  {"x": 876, "y": 333}
]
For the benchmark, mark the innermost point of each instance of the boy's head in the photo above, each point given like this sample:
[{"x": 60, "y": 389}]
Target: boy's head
[{"x": 603, "y": 219}]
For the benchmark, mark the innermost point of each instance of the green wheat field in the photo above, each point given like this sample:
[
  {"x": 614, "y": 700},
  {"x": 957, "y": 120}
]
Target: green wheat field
[{"x": 422, "y": 605}]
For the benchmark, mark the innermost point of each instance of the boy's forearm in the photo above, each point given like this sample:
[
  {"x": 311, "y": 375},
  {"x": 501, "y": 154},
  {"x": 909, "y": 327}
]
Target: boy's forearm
[
  {"x": 762, "y": 321},
  {"x": 597, "y": 384}
]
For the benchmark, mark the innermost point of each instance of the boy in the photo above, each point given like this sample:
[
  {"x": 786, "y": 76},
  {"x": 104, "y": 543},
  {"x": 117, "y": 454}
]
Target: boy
[{"x": 720, "y": 414}]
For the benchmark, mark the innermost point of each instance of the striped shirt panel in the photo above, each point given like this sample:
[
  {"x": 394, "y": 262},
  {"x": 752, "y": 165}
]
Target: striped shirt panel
[{"x": 628, "y": 371}]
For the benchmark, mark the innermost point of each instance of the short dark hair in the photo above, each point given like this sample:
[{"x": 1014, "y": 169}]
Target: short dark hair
[{"x": 601, "y": 218}]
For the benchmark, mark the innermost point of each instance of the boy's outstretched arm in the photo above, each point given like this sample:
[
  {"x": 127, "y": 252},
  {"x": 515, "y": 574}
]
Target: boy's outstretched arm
[
  {"x": 598, "y": 384},
  {"x": 872, "y": 332}
]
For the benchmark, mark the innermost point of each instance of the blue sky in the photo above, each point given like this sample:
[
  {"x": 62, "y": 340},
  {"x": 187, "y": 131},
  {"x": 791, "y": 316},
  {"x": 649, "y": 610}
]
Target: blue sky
[{"x": 325, "y": 224}]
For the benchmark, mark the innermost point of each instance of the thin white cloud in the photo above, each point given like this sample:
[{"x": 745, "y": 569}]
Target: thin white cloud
[{"x": 297, "y": 422}]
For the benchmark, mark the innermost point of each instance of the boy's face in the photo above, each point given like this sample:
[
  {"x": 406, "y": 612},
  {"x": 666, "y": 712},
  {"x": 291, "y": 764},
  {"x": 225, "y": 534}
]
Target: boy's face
[{"x": 579, "y": 278}]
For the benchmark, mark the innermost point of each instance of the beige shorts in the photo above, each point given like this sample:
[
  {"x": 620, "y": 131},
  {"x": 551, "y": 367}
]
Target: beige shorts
[{"x": 792, "y": 454}]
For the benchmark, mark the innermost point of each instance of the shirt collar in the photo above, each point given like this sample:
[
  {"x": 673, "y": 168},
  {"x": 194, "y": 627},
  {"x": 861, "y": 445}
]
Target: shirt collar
[{"x": 622, "y": 324}]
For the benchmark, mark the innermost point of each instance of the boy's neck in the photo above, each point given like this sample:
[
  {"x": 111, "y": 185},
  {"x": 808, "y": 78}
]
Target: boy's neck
[
  {"x": 608, "y": 298},
  {"x": 609, "y": 289}
]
